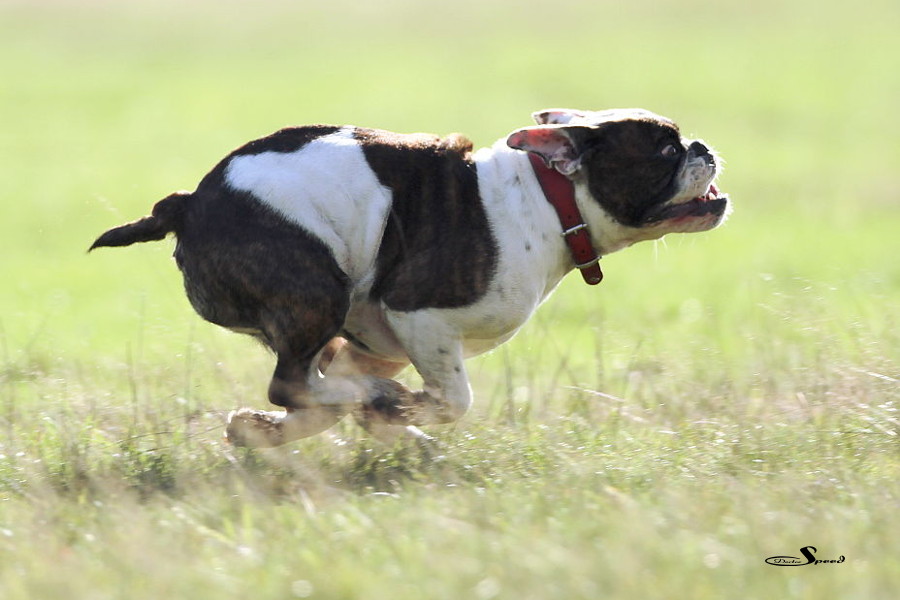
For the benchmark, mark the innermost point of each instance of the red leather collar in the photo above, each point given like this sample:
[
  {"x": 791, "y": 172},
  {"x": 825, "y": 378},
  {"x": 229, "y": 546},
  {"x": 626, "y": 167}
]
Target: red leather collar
[{"x": 560, "y": 193}]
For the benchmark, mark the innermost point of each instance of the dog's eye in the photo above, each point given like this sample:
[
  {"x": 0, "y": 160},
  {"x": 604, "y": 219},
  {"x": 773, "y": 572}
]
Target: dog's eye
[{"x": 670, "y": 151}]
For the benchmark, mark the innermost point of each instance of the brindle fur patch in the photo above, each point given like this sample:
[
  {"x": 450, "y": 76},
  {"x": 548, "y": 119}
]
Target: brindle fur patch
[{"x": 435, "y": 198}]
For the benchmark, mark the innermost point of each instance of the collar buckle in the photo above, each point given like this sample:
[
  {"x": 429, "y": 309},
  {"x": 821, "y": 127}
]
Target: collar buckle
[{"x": 572, "y": 230}]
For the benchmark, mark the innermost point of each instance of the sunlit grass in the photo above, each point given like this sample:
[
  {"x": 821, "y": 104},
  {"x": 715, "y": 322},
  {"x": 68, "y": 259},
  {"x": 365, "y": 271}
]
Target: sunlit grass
[{"x": 719, "y": 399}]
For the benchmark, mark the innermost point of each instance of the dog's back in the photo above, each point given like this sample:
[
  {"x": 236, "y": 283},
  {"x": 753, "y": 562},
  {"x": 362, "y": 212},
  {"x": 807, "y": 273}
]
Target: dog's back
[{"x": 380, "y": 206}]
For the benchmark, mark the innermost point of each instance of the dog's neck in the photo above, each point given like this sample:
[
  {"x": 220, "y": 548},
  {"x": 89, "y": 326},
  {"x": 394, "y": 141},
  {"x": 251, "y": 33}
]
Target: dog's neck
[
  {"x": 534, "y": 256},
  {"x": 513, "y": 194},
  {"x": 560, "y": 193}
]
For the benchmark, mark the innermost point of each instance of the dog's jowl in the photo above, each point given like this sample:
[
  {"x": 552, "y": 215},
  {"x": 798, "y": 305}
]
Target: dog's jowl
[{"x": 354, "y": 252}]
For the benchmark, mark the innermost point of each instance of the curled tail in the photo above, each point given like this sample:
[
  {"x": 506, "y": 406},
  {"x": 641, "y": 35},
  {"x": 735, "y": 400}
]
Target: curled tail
[{"x": 166, "y": 217}]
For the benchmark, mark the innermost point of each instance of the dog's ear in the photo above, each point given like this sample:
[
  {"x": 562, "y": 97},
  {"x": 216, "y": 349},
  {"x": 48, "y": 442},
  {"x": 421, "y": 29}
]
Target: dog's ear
[
  {"x": 556, "y": 116},
  {"x": 557, "y": 145}
]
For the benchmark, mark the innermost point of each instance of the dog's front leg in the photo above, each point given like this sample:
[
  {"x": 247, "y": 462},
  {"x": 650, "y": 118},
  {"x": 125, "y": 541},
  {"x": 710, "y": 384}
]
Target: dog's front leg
[
  {"x": 435, "y": 349},
  {"x": 347, "y": 360}
]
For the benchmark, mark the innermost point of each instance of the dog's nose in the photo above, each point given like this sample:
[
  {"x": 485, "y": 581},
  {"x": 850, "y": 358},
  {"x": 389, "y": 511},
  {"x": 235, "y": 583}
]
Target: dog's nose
[{"x": 698, "y": 149}]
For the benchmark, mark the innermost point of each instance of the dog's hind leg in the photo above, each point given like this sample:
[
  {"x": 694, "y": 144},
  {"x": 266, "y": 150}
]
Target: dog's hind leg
[
  {"x": 302, "y": 340},
  {"x": 294, "y": 386},
  {"x": 265, "y": 428}
]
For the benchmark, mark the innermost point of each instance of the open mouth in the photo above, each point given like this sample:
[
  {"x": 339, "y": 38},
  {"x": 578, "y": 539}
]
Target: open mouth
[{"x": 711, "y": 203}]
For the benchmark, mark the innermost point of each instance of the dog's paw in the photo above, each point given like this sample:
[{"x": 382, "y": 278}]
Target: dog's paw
[
  {"x": 386, "y": 402},
  {"x": 393, "y": 403},
  {"x": 255, "y": 428}
]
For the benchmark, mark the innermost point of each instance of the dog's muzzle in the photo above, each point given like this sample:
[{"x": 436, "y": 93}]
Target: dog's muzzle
[{"x": 701, "y": 167}]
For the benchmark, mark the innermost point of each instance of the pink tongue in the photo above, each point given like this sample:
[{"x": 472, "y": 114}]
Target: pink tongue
[{"x": 713, "y": 190}]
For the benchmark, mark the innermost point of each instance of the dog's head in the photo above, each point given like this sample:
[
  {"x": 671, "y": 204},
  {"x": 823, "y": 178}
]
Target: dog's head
[{"x": 644, "y": 179}]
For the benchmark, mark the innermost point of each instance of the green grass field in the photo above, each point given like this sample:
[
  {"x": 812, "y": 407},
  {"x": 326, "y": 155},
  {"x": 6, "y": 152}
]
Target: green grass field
[{"x": 719, "y": 399}]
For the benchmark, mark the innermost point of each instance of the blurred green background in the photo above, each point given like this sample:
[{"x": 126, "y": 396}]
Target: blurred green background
[
  {"x": 759, "y": 342},
  {"x": 108, "y": 106}
]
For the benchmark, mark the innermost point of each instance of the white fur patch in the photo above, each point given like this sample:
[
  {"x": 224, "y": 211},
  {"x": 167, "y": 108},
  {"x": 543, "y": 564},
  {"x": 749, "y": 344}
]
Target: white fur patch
[{"x": 328, "y": 189}]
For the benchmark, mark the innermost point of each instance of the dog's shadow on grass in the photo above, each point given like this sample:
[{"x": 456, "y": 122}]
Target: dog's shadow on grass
[{"x": 342, "y": 466}]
